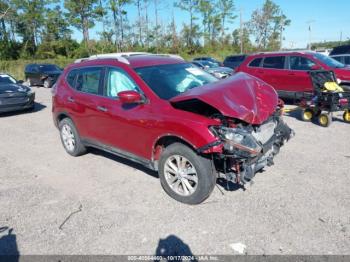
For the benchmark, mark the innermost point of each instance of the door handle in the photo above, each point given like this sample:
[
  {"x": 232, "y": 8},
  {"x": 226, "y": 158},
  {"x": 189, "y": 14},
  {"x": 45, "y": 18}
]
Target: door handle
[
  {"x": 102, "y": 109},
  {"x": 260, "y": 72},
  {"x": 71, "y": 99},
  {"x": 291, "y": 74}
]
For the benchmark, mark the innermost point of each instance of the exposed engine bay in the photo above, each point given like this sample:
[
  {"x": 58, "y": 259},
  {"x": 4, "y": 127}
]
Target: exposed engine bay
[{"x": 246, "y": 148}]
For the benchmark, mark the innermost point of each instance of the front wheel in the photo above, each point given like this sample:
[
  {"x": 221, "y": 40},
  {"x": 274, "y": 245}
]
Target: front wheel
[
  {"x": 346, "y": 116},
  {"x": 186, "y": 176},
  {"x": 325, "y": 120}
]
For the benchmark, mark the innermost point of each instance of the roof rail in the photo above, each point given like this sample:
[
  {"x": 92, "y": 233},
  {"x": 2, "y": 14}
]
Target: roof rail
[{"x": 121, "y": 57}]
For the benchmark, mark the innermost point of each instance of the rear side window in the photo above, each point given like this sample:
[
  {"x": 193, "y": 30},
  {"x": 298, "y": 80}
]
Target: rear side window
[
  {"x": 274, "y": 62},
  {"x": 347, "y": 60},
  {"x": 88, "y": 80},
  {"x": 300, "y": 63},
  {"x": 256, "y": 62},
  {"x": 71, "y": 77},
  {"x": 338, "y": 58}
]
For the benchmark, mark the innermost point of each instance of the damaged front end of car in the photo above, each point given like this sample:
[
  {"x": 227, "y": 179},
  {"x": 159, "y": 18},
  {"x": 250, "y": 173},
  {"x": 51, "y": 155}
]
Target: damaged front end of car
[
  {"x": 250, "y": 129},
  {"x": 247, "y": 149}
]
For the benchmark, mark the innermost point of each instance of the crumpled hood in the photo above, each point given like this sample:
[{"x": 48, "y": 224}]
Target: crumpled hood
[{"x": 241, "y": 96}]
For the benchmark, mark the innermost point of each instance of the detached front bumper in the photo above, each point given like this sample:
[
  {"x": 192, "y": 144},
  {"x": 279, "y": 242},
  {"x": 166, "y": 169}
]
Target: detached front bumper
[{"x": 240, "y": 166}]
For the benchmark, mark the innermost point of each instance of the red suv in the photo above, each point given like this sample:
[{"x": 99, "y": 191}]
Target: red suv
[
  {"x": 167, "y": 114},
  {"x": 287, "y": 72}
]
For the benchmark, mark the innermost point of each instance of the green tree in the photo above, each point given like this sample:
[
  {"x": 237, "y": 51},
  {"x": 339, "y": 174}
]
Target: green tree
[
  {"x": 82, "y": 14},
  {"x": 190, "y": 6},
  {"x": 267, "y": 24},
  {"x": 226, "y": 9}
]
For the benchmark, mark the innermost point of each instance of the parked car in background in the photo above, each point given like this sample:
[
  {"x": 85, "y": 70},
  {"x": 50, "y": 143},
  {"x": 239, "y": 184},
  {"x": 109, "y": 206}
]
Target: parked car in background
[
  {"x": 169, "y": 115},
  {"x": 344, "y": 59},
  {"x": 233, "y": 61},
  {"x": 42, "y": 74},
  {"x": 340, "y": 50},
  {"x": 288, "y": 73},
  {"x": 208, "y": 58},
  {"x": 14, "y": 95},
  {"x": 214, "y": 68}
]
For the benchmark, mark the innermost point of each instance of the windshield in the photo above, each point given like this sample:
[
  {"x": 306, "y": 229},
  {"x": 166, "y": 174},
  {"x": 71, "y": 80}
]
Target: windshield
[
  {"x": 6, "y": 79},
  {"x": 49, "y": 68},
  {"x": 168, "y": 81},
  {"x": 329, "y": 61}
]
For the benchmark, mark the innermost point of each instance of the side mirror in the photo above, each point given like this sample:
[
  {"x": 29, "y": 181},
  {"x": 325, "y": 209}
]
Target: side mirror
[
  {"x": 316, "y": 67},
  {"x": 130, "y": 97},
  {"x": 20, "y": 82}
]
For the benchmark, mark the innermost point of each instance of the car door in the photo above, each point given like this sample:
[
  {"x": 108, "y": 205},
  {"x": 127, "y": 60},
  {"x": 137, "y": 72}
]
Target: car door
[
  {"x": 31, "y": 73},
  {"x": 273, "y": 72},
  {"x": 81, "y": 102},
  {"x": 125, "y": 127},
  {"x": 298, "y": 74}
]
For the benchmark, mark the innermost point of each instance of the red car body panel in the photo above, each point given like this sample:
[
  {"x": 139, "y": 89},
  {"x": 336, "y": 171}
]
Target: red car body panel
[
  {"x": 242, "y": 96},
  {"x": 136, "y": 129},
  {"x": 287, "y": 79}
]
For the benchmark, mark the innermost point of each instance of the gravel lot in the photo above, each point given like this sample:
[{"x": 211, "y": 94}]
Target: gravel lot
[{"x": 299, "y": 206}]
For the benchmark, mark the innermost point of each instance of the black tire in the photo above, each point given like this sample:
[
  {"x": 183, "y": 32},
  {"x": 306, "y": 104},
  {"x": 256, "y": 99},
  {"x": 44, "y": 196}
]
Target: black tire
[
  {"x": 78, "y": 149},
  {"x": 346, "y": 116},
  {"x": 204, "y": 170},
  {"x": 307, "y": 115},
  {"x": 325, "y": 120}
]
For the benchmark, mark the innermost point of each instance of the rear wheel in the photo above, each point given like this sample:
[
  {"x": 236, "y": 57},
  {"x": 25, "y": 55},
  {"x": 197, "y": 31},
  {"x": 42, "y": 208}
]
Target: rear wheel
[
  {"x": 70, "y": 138},
  {"x": 307, "y": 114},
  {"x": 47, "y": 83},
  {"x": 325, "y": 120},
  {"x": 186, "y": 176},
  {"x": 346, "y": 116}
]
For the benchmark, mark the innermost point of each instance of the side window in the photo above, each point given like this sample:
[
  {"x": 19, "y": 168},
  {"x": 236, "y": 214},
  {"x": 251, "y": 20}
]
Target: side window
[
  {"x": 274, "y": 62},
  {"x": 256, "y": 62},
  {"x": 88, "y": 80},
  {"x": 347, "y": 60},
  {"x": 300, "y": 63},
  {"x": 71, "y": 77},
  {"x": 118, "y": 81},
  {"x": 338, "y": 58}
]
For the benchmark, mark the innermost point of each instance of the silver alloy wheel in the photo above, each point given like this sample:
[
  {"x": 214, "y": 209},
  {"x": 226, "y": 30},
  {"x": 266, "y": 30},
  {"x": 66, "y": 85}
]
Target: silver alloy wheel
[
  {"x": 46, "y": 84},
  {"x": 181, "y": 175},
  {"x": 68, "y": 137}
]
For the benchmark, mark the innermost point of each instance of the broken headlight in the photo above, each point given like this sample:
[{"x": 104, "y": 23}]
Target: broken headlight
[{"x": 236, "y": 138}]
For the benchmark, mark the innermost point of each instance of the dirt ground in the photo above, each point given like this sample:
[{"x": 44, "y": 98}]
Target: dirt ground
[{"x": 51, "y": 203}]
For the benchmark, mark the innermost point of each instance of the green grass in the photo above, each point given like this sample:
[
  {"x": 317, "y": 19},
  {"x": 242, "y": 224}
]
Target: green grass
[{"x": 16, "y": 67}]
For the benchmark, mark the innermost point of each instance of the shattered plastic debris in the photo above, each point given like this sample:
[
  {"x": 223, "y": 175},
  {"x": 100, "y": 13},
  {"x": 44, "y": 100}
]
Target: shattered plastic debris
[{"x": 239, "y": 248}]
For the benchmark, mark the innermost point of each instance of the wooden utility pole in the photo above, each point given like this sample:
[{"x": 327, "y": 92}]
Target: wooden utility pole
[{"x": 241, "y": 29}]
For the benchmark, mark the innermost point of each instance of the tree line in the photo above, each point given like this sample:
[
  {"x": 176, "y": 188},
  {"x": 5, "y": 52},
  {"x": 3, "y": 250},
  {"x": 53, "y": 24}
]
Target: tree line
[{"x": 43, "y": 28}]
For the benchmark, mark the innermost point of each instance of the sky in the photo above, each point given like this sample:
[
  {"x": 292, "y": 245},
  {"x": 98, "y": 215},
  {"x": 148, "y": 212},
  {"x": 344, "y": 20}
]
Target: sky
[{"x": 330, "y": 20}]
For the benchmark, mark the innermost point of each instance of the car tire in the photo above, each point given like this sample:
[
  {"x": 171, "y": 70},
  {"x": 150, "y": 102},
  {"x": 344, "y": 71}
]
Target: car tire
[
  {"x": 47, "y": 83},
  {"x": 195, "y": 179},
  {"x": 70, "y": 138}
]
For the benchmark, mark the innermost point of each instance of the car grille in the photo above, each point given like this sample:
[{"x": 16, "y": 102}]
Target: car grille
[{"x": 264, "y": 133}]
